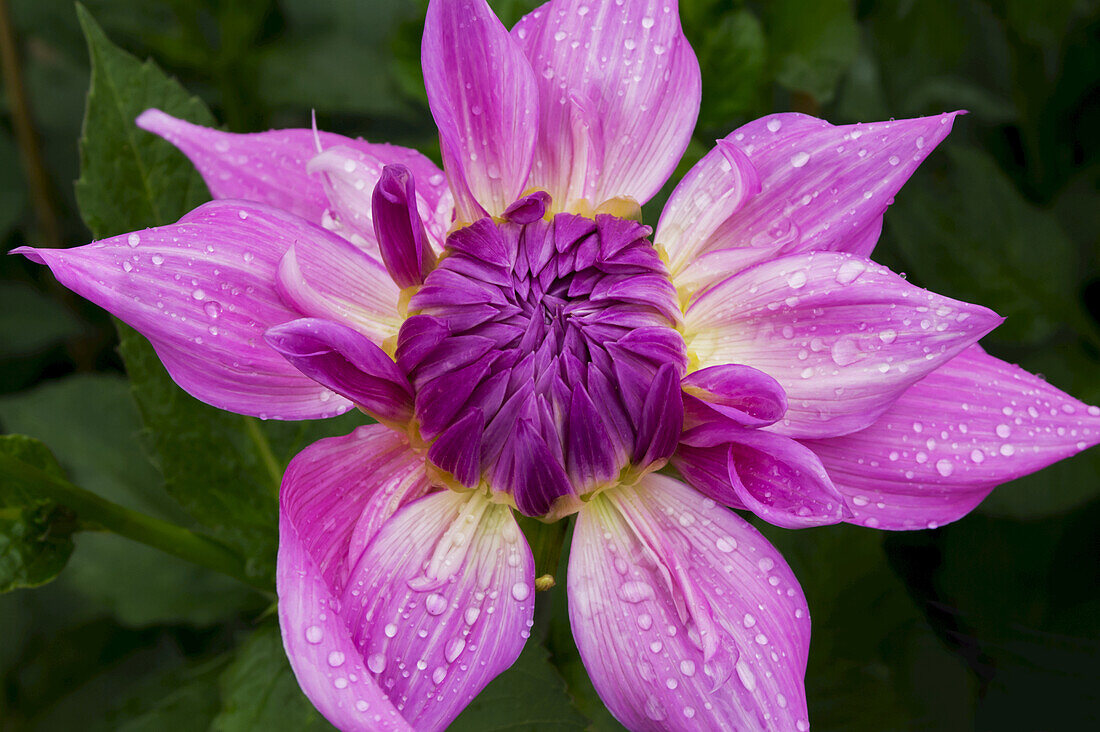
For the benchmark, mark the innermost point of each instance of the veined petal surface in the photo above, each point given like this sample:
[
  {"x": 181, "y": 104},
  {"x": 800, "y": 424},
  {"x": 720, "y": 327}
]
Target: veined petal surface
[
  {"x": 823, "y": 185},
  {"x": 484, "y": 99},
  {"x": 685, "y": 617},
  {"x": 970, "y": 425},
  {"x": 820, "y": 187},
  {"x": 349, "y": 174},
  {"x": 619, "y": 92},
  {"x": 271, "y": 167},
  {"x": 441, "y": 601},
  {"x": 841, "y": 334},
  {"x": 335, "y": 495},
  {"x": 203, "y": 291},
  {"x": 712, "y": 192}
]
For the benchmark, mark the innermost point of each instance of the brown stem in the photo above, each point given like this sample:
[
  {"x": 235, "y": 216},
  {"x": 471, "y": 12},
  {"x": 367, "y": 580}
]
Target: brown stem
[{"x": 38, "y": 181}]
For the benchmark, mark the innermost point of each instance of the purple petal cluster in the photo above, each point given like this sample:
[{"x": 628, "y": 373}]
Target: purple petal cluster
[
  {"x": 526, "y": 344},
  {"x": 523, "y": 329}
]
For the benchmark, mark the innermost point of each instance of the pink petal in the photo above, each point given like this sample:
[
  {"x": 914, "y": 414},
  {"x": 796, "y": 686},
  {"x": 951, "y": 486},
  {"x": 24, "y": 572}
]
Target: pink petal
[
  {"x": 738, "y": 393},
  {"x": 347, "y": 362},
  {"x": 936, "y": 453},
  {"x": 842, "y": 335},
  {"x": 711, "y": 193},
  {"x": 823, "y": 186},
  {"x": 349, "y": 174},
  {"x": 333, "y": 492},
  {"x": 775, "y": 477},
  {"x": 441, "y": 602},
  {"x": 685, "y": 617},
  {"x": 340, "y": 282},
  {"x": 483, "y": 97},
  {"x": 619, "y": 91},
  {"x": 270, "y": 167},
  {"x": 203, "y": 292}
]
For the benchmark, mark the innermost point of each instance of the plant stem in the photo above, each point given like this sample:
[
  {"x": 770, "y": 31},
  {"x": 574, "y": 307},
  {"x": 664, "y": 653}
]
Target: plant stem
[{"x": 168, "y": 537}]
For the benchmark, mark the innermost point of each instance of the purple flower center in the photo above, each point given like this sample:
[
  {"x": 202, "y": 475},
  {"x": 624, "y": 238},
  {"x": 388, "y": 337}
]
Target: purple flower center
[{"x": 544, "y": 356}]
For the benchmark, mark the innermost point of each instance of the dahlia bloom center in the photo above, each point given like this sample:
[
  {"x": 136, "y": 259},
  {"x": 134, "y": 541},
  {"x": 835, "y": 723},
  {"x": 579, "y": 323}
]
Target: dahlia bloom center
[{"x": 524, "y": 326}]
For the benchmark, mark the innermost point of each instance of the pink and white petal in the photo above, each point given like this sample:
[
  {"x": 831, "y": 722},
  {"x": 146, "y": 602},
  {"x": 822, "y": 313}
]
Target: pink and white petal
[
  {"x": 332, "y": 491},
  {"x": 685, "y": 617},
  {"x": 349, "y": 175},
  {"x": 711, "y": 193},
  {"x": 843, "y": 336},
  {"x": 619, "y": 89},
  {"x": 441, "y": 601},
  {"x": 824, "y": 187},
  {"x": 203, "y": 292},
  {"x": 972, "y": 424},
  {"x": 775, "y": 477},
  {"x": 340, "y": 282},
  {"x": 483, "y": 96},
  {"x": 264, "y": 167}
]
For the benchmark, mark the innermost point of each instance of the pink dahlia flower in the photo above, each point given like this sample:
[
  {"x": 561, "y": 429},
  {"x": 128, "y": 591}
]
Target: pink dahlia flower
[{"x": 526, "y": 345}]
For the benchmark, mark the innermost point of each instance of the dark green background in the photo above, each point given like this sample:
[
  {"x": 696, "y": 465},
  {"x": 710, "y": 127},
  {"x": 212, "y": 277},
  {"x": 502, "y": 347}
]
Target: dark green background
[{"x": 992, "y": 623}]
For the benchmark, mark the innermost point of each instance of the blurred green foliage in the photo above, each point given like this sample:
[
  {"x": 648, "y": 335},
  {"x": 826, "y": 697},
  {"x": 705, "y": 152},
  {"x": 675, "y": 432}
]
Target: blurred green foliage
[{"x": 989, "y": 623}]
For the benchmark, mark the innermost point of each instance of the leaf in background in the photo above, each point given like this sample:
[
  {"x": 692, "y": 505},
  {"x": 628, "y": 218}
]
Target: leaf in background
[
  {"x": 969, "y": 234},
  {"x": 30, "y": 322},
  {"x": 130, "y": 179},
  {"x": 182, "y": 698},
  {"x": 733, "y": 49},
  {"x": 811, "y": 44},
  {"x": 874, "y": 661},
  {"x": 1021, "y": 601},
  {"x": 92, "y": 423},
  {"x": 35, "y": 533},
  {"x": 259, "y": 691},
  {"x": 224, "y": 469},
  {"x": 529, "y": 695}
]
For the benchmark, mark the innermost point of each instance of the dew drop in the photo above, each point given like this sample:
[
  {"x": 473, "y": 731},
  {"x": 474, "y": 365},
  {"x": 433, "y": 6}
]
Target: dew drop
[
  {"x": 774, "y": 124},
  {"x": 945, "y": 467},
  {"x": 335, "y": 659},
  {"x": 390, "y": 630},
  {"x": 520, "y": 591},
  {"x": 213, "y": 309},
  {"x": 454, "y": 649},
  {"x": 799, "y": 159},
  {"x": 314, "y": 634},
  {"x": 133, "y": 240},
  {"x": 376, "y": 663},
  {"x": 435, "y": 604}
]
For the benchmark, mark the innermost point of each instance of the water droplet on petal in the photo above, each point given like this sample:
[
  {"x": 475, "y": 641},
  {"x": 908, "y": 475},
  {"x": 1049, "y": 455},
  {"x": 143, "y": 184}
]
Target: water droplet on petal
[{"x": 314, "y": 634}]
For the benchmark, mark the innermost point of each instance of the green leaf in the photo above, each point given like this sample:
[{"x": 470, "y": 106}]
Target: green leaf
[
  {"x": 224, "y": 469},
  {"x": 733, "y": 48},
  {"x": 528, "y": 696},
  {"x": 875, "y": 663},
  {"x": 811, "y": 44},
  {"x": 35, "y": 532},
  {"x": 259, "y": 691},
  {"x": 30, "y": 322},
  {"x": 961, "y": 228},
  {"x": 182, "y": 698},
  {"x": 130, "y": 179},
  {"x": 91, "y": 422},
  {"x": 93, "y": 425}
]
